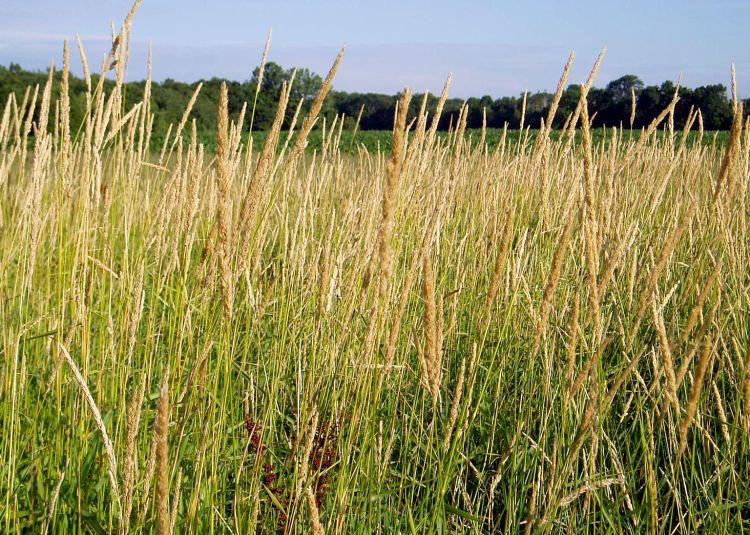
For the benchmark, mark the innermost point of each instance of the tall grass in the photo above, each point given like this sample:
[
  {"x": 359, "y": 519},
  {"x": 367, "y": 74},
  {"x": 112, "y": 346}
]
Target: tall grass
[{"x": 450, "y": 336}]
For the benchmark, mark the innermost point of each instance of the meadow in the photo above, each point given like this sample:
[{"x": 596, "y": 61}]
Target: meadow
[{"x": 449, "y": 333}]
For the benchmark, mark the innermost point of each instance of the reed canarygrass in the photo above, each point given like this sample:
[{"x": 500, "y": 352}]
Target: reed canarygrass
[{"x": 319, "y": 340}]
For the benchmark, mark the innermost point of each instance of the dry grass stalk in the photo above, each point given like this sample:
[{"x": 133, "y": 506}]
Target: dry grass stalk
[
  {"x": 53, "y": 501},
  {"x": 316, "y": 527},
  {"x": 324, "y": 271},
  {"x": 653, "y": 125},
  {"x": 730, "y": 154},
  {"x": 614, "y": 261},
  {"x": 161, "y": 433},
  {"x": 65, "y": 109},
  {"x": 438, "y": 111},
  {"x": 595, "y": 357},
  {"x": 84, "y": 65},
  {"x": 523, "y": 111},
  {"x": 722, "y": 413},
  {"x": 544, "y": 135},
  {"x": 695, "y": 311},
  {"x": 590, "y": 487},
  {"x": 552, "y": 280},
  {"x": 129, "y": 465},
  {"x": 251, "y": 201},
  {"x": 661, "y": 263},
  {"x": 455, "y": 404},
  {"x": 497, "y": 270},
  {"x": 315, "y": 108},
  {"x": 688, "y": 358},
  {"x": 701, "y": 367},
  {"x": 570, "y": 348},
  {"x": 393, "y": 171},
  {"x": 385, "y": 228},
  {"x": 224, "y": 210},
  {"x": 746, "y": 387},
  {"x": 483, "y": 135},
  {"x": 587, "y": 85},
  {"x": 304, "y": 467},
  {"x": 651, "y": 486},
  {"x": 108, "y": 449},
  {"x": 175, "y": 502},
  {"x": 431, "y": 366},
  {"x": 186, "y": 113},
  {"x": 261, "y": 73},
  {"x": 43, "y": 120},
  {"x": 356, "y": 124},
  {"x": 667, "y": 363},
  {"x": 590, "y": 230},
  {"x": 615, "y": 388},
  {"x": 531, "y": 505},
  {"x": 472, "y": 373},
  {"x": 632, "y": 107},
  {"x": 590, "y": 415},
  {"x": 409, "y": 279}
]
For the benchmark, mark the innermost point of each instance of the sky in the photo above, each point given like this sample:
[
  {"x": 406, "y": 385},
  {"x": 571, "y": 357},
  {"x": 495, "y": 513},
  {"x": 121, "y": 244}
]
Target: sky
[{"x": 492, "y": 48}]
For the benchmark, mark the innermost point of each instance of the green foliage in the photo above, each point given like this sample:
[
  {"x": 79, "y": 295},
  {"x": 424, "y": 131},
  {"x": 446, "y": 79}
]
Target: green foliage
[{"x": 612, "y": 104}]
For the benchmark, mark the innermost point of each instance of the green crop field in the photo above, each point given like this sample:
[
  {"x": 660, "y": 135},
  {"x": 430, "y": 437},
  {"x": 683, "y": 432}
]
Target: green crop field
[{"x": 350, "y": 141}]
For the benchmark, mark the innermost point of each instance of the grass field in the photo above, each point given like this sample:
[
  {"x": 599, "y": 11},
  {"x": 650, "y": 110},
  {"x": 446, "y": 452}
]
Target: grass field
[{"x": 546, "y": 334}]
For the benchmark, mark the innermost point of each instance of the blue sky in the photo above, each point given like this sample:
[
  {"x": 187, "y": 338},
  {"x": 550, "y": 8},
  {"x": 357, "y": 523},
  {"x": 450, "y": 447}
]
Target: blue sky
[{"x": 494, "y": 48}]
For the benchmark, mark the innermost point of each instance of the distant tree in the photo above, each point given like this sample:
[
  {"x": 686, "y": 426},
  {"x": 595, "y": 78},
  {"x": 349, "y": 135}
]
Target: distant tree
[
  {"x": 619, "y": 90},
  {"x": 714, "y": 105},
  {"x": 506, "y": 110},
  {"x": 611, "y": 104},
  {"x": 648, "y": 106},
  {"x": 273, "y": 76},
  {"x": 306, "y": 84},
  {"x": 568, "y": 103}
]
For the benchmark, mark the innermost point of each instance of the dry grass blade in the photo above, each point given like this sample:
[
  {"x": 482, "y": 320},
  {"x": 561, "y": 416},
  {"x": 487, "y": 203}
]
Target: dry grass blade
[{"x": 108, "y": 449}]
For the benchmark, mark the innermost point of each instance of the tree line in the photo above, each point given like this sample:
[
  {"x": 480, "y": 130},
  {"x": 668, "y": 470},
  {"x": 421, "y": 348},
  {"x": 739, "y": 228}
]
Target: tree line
[{"x": 611, "y": 103}]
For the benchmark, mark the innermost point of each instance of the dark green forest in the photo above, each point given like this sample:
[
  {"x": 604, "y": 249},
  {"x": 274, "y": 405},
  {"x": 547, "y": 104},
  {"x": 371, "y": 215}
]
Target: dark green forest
[{"x": 612, "y": 103}]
